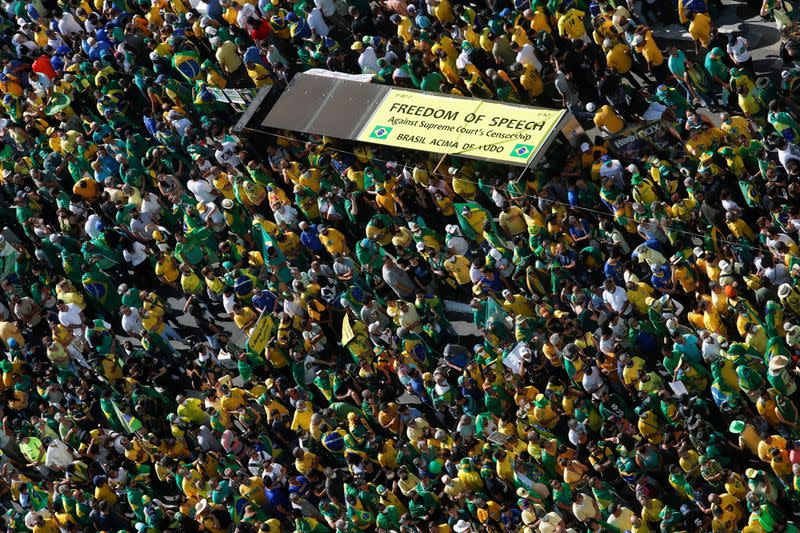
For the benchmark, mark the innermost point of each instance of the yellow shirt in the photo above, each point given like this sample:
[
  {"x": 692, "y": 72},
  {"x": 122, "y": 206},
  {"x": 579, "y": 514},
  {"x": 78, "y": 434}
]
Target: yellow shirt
[
  {"x": 513, "y": 221},
  {"x": 531, "y": 80},
  {"x": 304, "y": 465},
  {"x": 700, "y": 28},
  {"x": 244, "y": 317},
  {"x": 402, "y": 29},
  {"x": 443, "y": 12},
  {"x": 570, "y": 24},
  {"x": 168, "y": 269},
  {"x": 539, "y": 21},
  {"x": 748, "y": 104},
  {"x": 735, "y": 126},
  {"x": 650, "y": 51},
  {"x": 459, "y": 269},
  {"x": 607, "y": 118},
  {"x": 638, "y": 296},
  {"x": 619, "y": 58},
  {"x": 334, "y": 242}
]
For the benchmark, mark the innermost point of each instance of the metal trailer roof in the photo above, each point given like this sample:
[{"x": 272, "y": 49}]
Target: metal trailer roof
[{"x": 338, "y": 105}]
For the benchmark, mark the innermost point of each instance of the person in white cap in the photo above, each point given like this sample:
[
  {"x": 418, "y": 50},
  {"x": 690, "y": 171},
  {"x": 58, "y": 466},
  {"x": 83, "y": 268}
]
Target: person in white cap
[
  {"x": 455, "y": 241},
  {"x": 462, "y": 526},
  {"x": 779, "y": 377},
  {"x": 606, "y": 119},
  {"x": 792, "y": 334}
]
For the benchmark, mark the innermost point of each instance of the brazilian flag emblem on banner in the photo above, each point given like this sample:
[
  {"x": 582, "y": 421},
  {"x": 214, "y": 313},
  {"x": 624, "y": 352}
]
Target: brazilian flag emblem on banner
[
  {"x": 523, "y": 151},
  {"x": 380, "y": 132}
]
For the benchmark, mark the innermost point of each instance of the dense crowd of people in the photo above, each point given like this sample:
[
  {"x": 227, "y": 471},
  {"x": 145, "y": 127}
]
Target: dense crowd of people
[{"x": 204, "y": 332}]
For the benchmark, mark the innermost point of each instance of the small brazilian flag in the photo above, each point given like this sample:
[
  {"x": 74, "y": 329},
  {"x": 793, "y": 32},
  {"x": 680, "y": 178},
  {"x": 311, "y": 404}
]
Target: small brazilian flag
[
  {"x": 380, "y": 132},
  {"x": 522, "y": 151}
]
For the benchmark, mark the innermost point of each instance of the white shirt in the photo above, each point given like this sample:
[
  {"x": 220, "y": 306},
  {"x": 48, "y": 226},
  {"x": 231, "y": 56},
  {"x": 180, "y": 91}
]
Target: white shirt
[
  {"x": 213, "y": 213},
  {"x": 202, "y": 190},
  {"x": 611, "y": 169},
  {"x": 71, "y": 317},
  {"x": 90, "y": 227},
  {"x": 711, "y": 347},
  {"x": 228, "y": 303},
  {"x": 791, "y": 152},
  {"x": 474, "y": 273},
  {"x": 368, "y": 60},
  {"x": 458, "y": 245},
  {"x": 132, "y": 323},
  {"x": 286, "y": 214},
  {"x": 585, "y": 509},
  {"x": 526, "y": 56},
  {"x": 777, "y": 274},
  {"x": 782, "y": 237},
  {"x": 615, "y": 299},
  {"x": 150, "y": 208},
  {"x": 462, "y": 60},
  {"x": 67, "y": 24},
  {"x": 739, "y": 50},
  {"x": 317, "y": 22},
  {"x": 654, "y": 111},
  {"x": 328, "y": 7},
  {"x": 592, "y": 382},
  {"x": 57, "y": 455},
  {"x": 245, "y": 12},
  {"x": 138, "y": 256},
  {"x": 227, "y": 156}
]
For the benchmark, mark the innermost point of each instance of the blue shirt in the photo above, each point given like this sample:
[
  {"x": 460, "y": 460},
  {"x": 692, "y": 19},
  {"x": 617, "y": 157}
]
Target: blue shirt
[
  {"x": 276, "y": 496},
  {"x": 253, "y": 55},
  {"x": 661, "y": 278},
  {"x": 614, "y": 272},
  {"x": 214, "y": 10},
  {"x": 264, "y": 300},
  {"x": 310, "y": 239}
]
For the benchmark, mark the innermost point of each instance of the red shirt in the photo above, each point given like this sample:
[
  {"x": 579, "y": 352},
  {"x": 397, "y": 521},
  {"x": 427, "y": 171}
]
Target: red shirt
[
  {"x": 43, "y": 66},
  {"x": 261, "y": 30}
]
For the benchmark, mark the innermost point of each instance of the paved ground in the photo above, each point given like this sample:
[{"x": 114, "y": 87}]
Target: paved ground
[{"x": 742, "y": 17}]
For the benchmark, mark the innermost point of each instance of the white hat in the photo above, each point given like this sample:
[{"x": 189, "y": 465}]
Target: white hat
[
  {"x": 630, "y": 277},
  {"x": 461, "y": 526},
  {"x": 725, "y": 267},
  {"x": 633, "y": 169},
  {"x": 607, "y": 43},
  {"x": 375, "y": 326},
  {"x": 585, "y": 147},
  {"x": 227, "y": 203},
  {"x": 590, "y": 107},
  {"x": 122, "y": 289},
  {"x": 778, "y": 362},
  {"x": 784, "y": 290},
  {"x": 451, "y": 229},
  {"x": 420, "y": 246},
  {"x": 698, "y": 251}
]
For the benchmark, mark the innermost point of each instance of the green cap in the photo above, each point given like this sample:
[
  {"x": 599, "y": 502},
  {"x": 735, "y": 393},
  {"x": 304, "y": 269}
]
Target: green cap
[{"x": 737, "y": 426}]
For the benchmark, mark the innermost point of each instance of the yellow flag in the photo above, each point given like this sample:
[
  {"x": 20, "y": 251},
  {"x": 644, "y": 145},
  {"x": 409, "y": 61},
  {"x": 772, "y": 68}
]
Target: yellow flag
[
  {"x": 347, "y": 331},
  {"x": 260, "y": 334}
]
